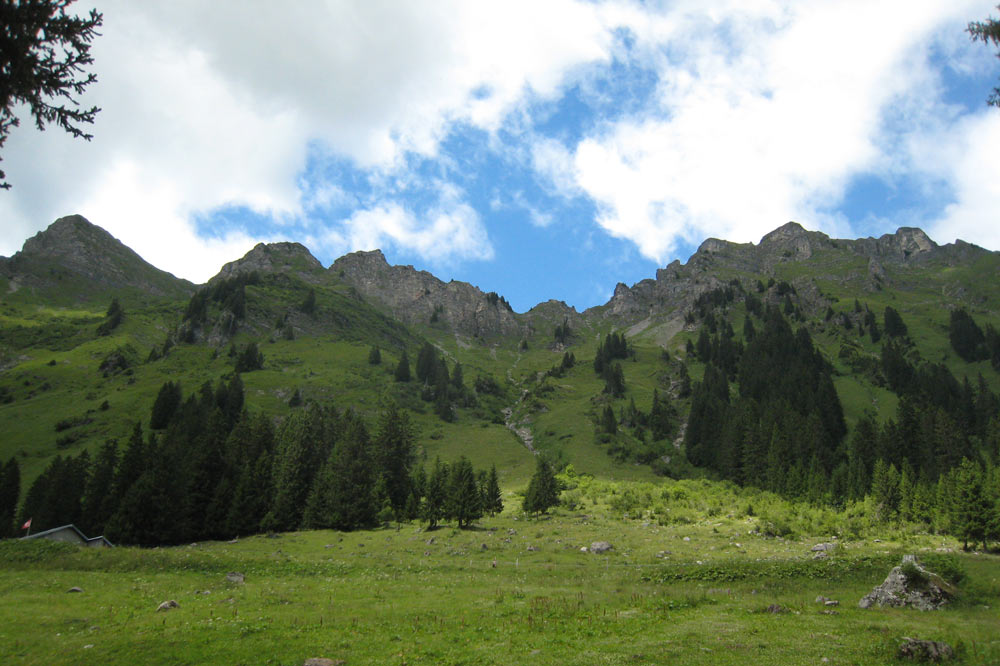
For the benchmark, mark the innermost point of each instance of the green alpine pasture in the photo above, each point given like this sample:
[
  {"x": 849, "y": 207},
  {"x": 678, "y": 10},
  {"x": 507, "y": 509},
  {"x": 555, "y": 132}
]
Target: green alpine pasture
[{"x": 692, "y": 578}]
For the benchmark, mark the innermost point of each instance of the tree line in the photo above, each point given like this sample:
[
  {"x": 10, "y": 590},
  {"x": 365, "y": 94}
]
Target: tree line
[{"x": 211, "y": 469}]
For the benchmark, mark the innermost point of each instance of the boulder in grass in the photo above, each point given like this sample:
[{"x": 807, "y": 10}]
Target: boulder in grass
[
  {"x": 75, "y": 589},
  {"x": 921, "y": 650},
  {"x": 909, "y": 585},
  {"x": 167, "y": 605},
  {"x": 600, "y": 547},
  {"x": 235, "y": 577}
]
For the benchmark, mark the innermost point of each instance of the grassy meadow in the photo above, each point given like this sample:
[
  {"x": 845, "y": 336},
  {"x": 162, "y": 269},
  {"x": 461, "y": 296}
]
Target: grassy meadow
[{"x": 689, "y": 581}]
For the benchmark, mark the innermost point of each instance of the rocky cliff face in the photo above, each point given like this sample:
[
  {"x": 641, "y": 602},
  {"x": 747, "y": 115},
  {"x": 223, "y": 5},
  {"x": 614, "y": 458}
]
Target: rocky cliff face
[
  {"x": 74, "y": 258},
  {"x": 417, "y": 297}
]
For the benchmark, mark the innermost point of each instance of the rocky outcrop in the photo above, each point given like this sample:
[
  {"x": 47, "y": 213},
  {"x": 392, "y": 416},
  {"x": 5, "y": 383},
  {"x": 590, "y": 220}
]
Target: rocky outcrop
[
  {"x": 417, "y": 297},
  {"x": 291, "y": 258},
  {"x": 909, "y": 585}
]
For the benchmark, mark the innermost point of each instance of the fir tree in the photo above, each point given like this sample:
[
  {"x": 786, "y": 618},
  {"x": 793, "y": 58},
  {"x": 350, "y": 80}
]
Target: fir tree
[
  {"x": 393, "y": 454},
  {"x": 970, "y": 508},
  {"x": 343, "y": 496},
  {"x": 609, "y": 423},
  {"x": 463, "y": 494},
  {"x": 249, "y": 359},
  {"x": 10, "y": 491},
  {"x": 893, "y": 323},
  {"x": 374, "y": 356},
  {"x": 293, "y": 473},
  {"x": 543, "y": 489},
  {"x": 493, "y": 498},
  {"x": 885, "y": 490},
  {"x": 95, "y": 511},
  {"x": 436, "y": 495},
  {"x": 166, "y": 403},
  {"x": 402, "y": 373}
]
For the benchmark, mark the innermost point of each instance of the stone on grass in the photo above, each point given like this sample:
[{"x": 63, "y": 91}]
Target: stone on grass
[
  {"x": 600, "y": 547},
  {"x": 822, "y": 547},
  {"x": 75, "y": 589},
  {"x": 909, "y": 585},
  {"x": 921, "y": 650},
  {"x": 235, "y": 577},
  {"x": 167, "y": 605}
]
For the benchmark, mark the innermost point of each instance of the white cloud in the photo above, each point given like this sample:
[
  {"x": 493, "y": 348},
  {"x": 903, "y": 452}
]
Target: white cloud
[
  {"x": 967, "y": 159},
  {"x": 764, "y": 114},
  {"x": 214, "y": 104},
  {"x": 449, "y": 232}
]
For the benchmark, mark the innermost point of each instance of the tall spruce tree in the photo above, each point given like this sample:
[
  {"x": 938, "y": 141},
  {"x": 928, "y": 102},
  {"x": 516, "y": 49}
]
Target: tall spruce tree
[
  {"x": 970, "y": 508},
  {"x": 464, "y": 503},
  {"x": 10, "y": 491},
  {"x": 543, "y": 489},
  {"x": 493, "y": 498},
  {"x": 402, "y": 373},
  {"x": 436, "y": 495}
]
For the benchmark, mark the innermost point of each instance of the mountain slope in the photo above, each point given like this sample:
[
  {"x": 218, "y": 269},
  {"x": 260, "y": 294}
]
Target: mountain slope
[
  {"x": 74, "y": 261},
  {"x": 317, "y": 327}
]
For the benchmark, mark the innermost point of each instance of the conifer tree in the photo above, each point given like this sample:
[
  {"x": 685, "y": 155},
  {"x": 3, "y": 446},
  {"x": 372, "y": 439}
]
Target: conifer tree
[
  {"x": 402, "y": 373},
  {"x": 885, "y": 490},
  {"x": 493, "y": 497},
  {"x": 464, "y": 503},
  {"x": 970, "y": 507},
  {"x": 293, "y": 473},
  {"x": 342, "y": 496},
  {"x": 543, "y": 489},
  {"x": 394, "y": 454},
  {"x": 609, "y": 423},
  {"x": 427, "y": 364},
  {"x": 436, "y": 495},
  {"x": 893, "y": 323},
  {"x": 95, "y": 512},
  {"x": 10, "y": 492},
  {"x": 374, "y": 356},
  {"x": 166, "y": 403}
]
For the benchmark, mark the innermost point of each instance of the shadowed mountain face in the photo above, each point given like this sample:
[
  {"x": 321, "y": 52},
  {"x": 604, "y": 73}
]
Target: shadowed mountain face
[{"x": 74, "y": 260}]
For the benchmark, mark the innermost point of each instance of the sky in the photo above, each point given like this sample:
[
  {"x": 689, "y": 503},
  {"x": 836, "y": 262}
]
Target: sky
[{"x": 541, "y": 150}]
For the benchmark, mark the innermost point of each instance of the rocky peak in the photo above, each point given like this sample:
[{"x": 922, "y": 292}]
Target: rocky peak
[
  {"x": 911, "y": 241},
  {"x": 74, "y": 258},
  {"x": 786, "y": 232},
  {"x": 274, "y": 258}
]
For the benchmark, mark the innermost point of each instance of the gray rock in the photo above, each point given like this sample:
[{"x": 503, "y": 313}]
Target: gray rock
[
  {"x": 75, "y": 589},
  {"x": 911, "y": 586},
  {"x": 167, "y": 605},
  {"x": 823, "y": 547},
  {"x": 235, "y": 577},
  {"x": 821, "y": 555},
  {"x": 600, "y": 547},
  {"x": 921, "y": 650}
]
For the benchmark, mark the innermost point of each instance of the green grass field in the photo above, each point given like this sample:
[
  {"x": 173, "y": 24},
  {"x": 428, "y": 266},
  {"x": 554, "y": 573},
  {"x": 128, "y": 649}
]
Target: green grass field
[{"x": 686, "y": 583}]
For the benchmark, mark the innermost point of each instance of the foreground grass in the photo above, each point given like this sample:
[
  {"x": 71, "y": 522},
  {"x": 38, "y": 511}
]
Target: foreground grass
[{"x": 509, "y": 591}]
